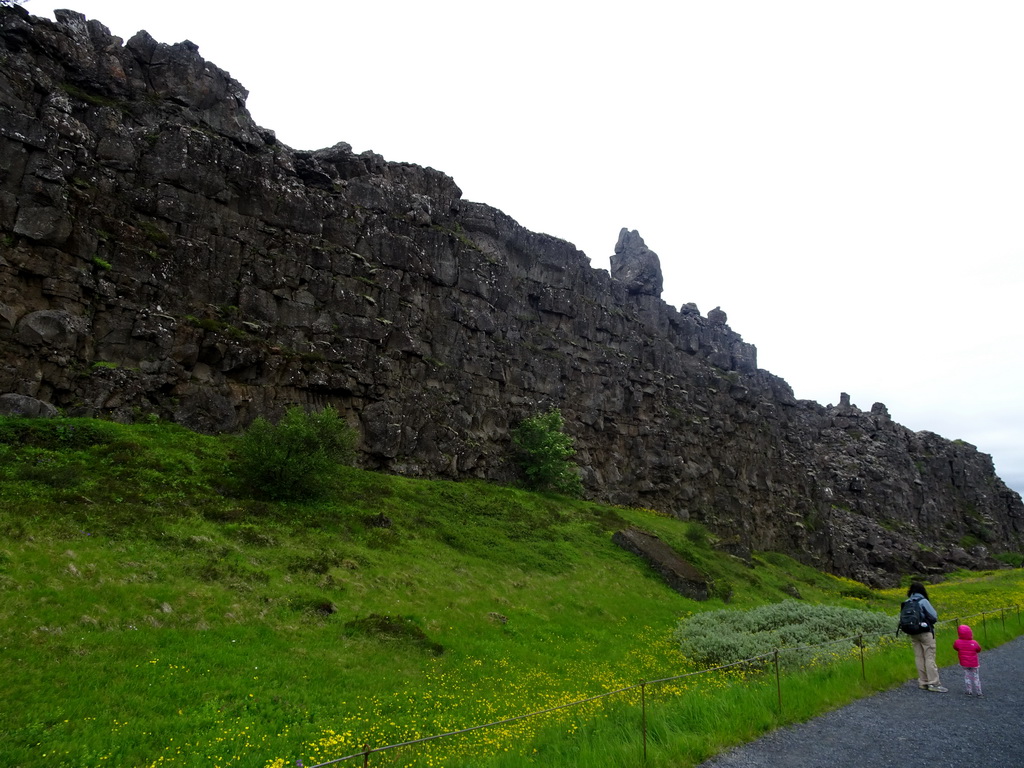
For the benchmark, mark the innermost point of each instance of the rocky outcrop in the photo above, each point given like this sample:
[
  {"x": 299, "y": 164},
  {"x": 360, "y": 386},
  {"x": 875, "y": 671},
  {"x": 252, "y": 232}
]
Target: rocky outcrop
[
  {"x": 26, "y": 407},
  {"x": 677, "y": 572},
  {"x": 162, "y": 254},
  {"x": 636, "y": 266}
]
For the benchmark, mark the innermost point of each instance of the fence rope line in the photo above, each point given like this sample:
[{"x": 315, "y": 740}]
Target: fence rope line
[
  {"x": 540, "y": 712},
  {"x": 366, "y": 752},
  {"x": 709, "y": 669}
]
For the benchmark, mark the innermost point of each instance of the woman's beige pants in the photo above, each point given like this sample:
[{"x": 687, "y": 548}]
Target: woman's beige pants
[{"x": 924, "y": 656}]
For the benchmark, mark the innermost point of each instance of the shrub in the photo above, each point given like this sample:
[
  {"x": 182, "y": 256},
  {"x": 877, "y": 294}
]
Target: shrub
[
  {"x": 1015, "y": 559},
  {"x": 544, "y": 452},
  {"x": 56, "y": 434},
  {"x": 724, "y": 637},
  {"x": 295, "y": 458},
  {"x": 858, "y": 591},
  {"x": 401, "y": 629},
  {"x": 697, "y": 533},
  {"x": 969, "y": 541}
]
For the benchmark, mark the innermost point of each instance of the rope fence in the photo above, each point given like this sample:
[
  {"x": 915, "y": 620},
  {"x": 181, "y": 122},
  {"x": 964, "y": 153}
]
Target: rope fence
[{"x": 772, "y": 658}]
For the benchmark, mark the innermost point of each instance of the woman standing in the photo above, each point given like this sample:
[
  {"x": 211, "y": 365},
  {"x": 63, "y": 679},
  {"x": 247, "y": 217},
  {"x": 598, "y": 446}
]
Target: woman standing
[{"x": 923, "y": 643}]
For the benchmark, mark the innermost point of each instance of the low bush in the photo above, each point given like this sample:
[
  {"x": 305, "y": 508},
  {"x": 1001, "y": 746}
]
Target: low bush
[
  {"x": 1016, "y": 559},
  {"x": 293, "y": 459},
  {"x": 726, "y": 636},
  {"x": 544, "y": 452}
]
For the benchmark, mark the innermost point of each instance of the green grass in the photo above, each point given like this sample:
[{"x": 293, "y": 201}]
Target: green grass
[{"x": 153, "y": 615}]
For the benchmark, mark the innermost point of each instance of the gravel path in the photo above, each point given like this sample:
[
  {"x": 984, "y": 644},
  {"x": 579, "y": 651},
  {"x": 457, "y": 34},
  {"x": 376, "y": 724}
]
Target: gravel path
[{"x": 909, "y": 728}]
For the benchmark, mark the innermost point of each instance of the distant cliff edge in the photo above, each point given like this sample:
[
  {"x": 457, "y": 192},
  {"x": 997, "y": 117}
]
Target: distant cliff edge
[{"x": 162, "y": 254}]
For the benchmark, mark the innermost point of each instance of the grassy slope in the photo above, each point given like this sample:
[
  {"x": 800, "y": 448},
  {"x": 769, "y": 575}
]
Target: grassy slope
[{"x": 152, "y": 614}]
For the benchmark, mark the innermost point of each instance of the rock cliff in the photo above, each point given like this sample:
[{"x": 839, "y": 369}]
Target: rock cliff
[{"x": 162, "y": 254}]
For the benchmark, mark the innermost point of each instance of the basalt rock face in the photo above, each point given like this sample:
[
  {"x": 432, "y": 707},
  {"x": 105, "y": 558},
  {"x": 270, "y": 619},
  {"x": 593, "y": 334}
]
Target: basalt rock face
[{"x": 162, "y": 254}]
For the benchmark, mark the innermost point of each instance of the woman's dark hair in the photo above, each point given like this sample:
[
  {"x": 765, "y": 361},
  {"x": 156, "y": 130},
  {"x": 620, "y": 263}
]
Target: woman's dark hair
[{"x": 917, "y": 588}]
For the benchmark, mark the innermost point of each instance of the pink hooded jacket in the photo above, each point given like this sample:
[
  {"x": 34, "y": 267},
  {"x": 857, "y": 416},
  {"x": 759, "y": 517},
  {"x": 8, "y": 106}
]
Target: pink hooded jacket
[{"x": 966, "y": 647}]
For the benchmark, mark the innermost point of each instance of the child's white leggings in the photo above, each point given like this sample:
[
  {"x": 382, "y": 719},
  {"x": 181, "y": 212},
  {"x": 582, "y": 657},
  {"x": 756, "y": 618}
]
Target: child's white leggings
[{"x": 972, "y": 681}]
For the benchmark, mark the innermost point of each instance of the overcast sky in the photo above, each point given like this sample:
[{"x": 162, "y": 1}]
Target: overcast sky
[{"x": 844, "y": 179}]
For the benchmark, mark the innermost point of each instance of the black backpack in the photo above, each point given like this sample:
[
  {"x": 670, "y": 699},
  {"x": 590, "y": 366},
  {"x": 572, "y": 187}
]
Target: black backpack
[{"x": 913, "y": 620}]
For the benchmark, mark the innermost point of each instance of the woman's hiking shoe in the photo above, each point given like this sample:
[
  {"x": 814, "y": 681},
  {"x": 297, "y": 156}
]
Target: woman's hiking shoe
[{"x": 936, "y": 689}]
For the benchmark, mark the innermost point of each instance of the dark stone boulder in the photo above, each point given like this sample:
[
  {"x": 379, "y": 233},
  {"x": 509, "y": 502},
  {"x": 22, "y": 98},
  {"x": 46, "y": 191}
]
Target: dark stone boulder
[
  {"x": 21, "y": 405},
  {"x": 679, "y": 574}
]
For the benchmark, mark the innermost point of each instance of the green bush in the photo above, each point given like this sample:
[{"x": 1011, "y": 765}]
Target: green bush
[
  {"x": 858, "y": 591},
  {"x": 1016, "y": 559},
  {"x": 724, "y": 637},
  {"x": 56, "y": 434},
  {"x": 544, "y": 452},
  {"x": 698, "y": 533},
  {"x": 294, "y": 459}
]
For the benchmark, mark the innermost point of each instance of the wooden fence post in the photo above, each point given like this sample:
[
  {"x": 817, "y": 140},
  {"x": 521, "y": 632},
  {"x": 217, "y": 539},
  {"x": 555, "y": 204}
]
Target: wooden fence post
[
  {"x": 863, "y": 673},
  {"x": 778, "y": 679},
  {"x": 643, "y": 716}
]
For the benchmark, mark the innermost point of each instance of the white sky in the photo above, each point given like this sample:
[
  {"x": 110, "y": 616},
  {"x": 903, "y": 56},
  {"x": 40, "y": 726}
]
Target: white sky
[{"x": 845, "y": 179}]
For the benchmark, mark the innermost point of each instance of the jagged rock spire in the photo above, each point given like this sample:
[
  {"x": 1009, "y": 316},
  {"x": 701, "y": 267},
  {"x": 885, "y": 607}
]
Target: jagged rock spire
[{"x": 636, "y": 265}]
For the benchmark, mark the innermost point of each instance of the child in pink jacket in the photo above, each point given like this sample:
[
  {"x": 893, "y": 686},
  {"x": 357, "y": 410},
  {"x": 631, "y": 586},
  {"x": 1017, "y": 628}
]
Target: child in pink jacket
[{"x": 967, "y": 649}]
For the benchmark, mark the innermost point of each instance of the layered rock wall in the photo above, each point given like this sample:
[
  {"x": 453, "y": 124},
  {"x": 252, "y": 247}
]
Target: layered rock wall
[{"x": 162, "y": 254}]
